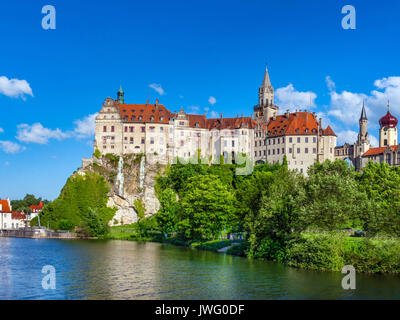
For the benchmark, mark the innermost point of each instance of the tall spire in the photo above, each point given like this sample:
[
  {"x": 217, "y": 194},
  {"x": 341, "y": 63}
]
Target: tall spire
[
  {"x": 363, "y": 113},
  {"x": 266, "y": 81}
]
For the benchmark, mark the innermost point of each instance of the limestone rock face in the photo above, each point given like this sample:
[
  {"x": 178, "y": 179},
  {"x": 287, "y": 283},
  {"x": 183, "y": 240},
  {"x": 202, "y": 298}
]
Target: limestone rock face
[
  {"x": 138, "y": 183},
  {"x": 125, "y": 214}
]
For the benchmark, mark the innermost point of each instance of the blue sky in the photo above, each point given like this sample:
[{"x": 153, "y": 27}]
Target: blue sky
[{"x": 194, "y": 50}]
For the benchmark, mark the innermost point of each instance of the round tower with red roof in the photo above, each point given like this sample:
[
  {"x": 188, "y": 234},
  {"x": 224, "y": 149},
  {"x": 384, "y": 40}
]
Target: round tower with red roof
[{"x": 388, "y": 130}]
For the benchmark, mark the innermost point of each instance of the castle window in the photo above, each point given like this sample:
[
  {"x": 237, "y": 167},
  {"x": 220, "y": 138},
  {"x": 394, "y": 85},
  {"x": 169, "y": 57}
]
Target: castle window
[
  {"x": 233, "y": 143},
  {"x": 131, "y": 129},
  {"x": 290, "y": 150},
  {"x": 161, "y": 129},
  {"x": 269, "y": 152},
  {"x": 306, "y": 150},
  {"x": 161, "y": 118},
  {"x": 290, "y": 140},
  {"x": 298, "y": 139},
  {"x": 126, "y": 129},
  {"x": 314, "y": 150},
  {"x": 142, "y": 141},
  {"x": 313, "y": 130},
  {"x": 283, "y": 150},
  {"x": 143, "y": 129},
  {"x": 298, "y": 150},
  {"x": 314, "y": 139},
  {"x": 131, "y": 140},
  {"x": 297, "y": 130},
  {"x": 140, "y": 118},
  {"x": 152, "y": 118},
  {"x": 112, "y": 128},
  {"x": 105, "y": 129},
  {"x": 306, "y": 139},
  {"x": 151, "y": 140}
]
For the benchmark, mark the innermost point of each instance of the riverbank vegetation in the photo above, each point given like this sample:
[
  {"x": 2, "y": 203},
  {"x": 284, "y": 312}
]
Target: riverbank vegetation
[
  {"x": 82, "y": 205},
  {"x": 300, "y": 221}
]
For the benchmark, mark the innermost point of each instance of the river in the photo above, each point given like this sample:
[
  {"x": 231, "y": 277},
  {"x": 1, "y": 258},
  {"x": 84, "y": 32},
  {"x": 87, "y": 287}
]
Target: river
[{"x": 94, "y": 269}]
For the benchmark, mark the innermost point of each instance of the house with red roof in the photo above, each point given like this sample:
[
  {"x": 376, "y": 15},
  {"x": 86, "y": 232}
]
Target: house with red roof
[
  {"x": 301, "y": 138},
  {"x": 11, "y": 219}
]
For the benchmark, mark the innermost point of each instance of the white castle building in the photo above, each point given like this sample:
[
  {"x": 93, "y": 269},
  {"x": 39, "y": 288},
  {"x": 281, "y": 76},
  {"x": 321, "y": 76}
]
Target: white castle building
[{"x": 152, "y": 129}]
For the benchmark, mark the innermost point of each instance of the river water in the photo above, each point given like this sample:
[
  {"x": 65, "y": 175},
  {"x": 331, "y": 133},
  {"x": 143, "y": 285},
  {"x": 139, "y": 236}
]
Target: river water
[{"x": 130, "y": 270}]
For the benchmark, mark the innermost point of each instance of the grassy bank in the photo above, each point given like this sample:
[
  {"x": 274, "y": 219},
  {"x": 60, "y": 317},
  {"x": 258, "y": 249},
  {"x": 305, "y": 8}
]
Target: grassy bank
[{"x": 326, "y": 251}]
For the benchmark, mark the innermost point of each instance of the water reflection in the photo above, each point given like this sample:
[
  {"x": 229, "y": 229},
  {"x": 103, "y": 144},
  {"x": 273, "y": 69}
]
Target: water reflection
[{"x": 130, "y": 270}]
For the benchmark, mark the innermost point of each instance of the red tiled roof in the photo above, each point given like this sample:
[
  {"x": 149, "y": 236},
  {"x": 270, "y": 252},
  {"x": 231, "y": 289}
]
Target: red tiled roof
[
  {"x": 150, "y": 113},
  {"x": 5, "y": 206},
  {"x": 378, "y": 151},
  {"x": 298, "y": 123},
  {"x": 18, "y": 215},
  {"x": 231, "y": 123},
  {"x": 37, "y": 207}
]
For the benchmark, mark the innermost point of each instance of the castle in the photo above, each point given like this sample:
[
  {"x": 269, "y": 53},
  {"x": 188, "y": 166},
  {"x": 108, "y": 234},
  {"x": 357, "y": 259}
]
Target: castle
[
  {"x": 152, "y": 129},
  {"x": 361, "y": 152}
]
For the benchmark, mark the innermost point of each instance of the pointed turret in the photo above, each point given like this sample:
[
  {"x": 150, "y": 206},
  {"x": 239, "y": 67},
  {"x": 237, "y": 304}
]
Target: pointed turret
[
  {"x": 266, "y": 91},
  {"x": 266, "y": 82},
  {"x": 363, "y": 113}
]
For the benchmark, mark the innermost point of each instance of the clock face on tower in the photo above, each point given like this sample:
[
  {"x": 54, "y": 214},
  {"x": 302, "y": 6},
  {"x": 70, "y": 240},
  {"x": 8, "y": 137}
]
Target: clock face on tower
[{"x": 385, "y": 128}]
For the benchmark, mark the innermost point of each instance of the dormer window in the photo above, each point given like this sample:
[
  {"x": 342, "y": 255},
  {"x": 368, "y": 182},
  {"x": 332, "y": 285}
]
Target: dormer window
[
  {"x": 161, "y": 118},
  {"x": 152, "y": 118},
  {"x": 133, "y": 118},
  {"x": 306, "y": 130},
  {"x": 140, "y": 118},
  {"x": 197, "y": 124},
  {"x": 297, "y": 130}
]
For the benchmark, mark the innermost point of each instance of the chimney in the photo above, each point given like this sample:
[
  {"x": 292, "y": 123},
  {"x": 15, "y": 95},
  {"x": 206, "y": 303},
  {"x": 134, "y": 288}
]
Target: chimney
[
  {"x": 147, "y": 102},
  {"x": 157, "y": 102},
  {"x": 287, "y": 113},
  {"x": 320, "y": 123},
  {"x": 242, "y": 115},
  {"x": 221, "y": 116}
]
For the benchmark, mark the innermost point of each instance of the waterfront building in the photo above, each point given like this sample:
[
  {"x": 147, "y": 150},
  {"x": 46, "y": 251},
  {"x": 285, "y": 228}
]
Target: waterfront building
[
  {"x": 389, "y": 149},
  {"x": 152, "y": 129},
  {"x": 300, "y": 137},
  {"x": 10, "y": 219},
  {"x": 36, "y": 209}
]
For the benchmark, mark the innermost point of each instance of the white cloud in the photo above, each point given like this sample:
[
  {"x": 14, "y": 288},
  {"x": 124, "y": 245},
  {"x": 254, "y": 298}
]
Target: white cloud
[
  {"x": 6, "y": 163},
  {"x": 346, "y": 106},
  {"x": 85, "y": 127},
  {"x": 1, "y": 130},
  {"x": 194, "y": 109},
  {"x": 212, "y": 100},
  {"x": 14, "y": 88},
  {"x": 214, "y": 114},
  {"x": 348, "y": 136},
  {"x": 11, "y": 147},
  {"x": 331, "y": 85},
  {"x": 158, "y": 88},
  {"x": 36, "y": 133},
  {"x": 374, "y": 141},
  {"x": 288, "y": 97}
]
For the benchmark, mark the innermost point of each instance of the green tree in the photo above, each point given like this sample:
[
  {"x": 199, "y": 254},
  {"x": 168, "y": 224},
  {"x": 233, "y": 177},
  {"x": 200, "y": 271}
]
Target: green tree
[
  {"x": 140, "y": 210},
  {"x": 278, "y": 215},
  {"x": 207, "y": 207},
  {"x": 382, "y": 185},
  {"x": 94, "y": 224},
  {"x": 167, "y": 216},
  {"x": 333, "y": 197}
]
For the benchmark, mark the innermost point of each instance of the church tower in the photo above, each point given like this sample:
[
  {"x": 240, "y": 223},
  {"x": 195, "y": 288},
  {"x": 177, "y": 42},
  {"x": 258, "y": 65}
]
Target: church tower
[
  {"x": 266, "y": 91},
  {"x": 388, "y": 130},
  {"x": 363, "y": 144},
  {"x": 265, "y": 108}
]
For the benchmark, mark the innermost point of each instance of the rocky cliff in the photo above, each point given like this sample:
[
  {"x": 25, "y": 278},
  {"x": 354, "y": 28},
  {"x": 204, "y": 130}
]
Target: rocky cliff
[{"x": 130, "y": 177}]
